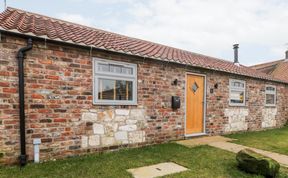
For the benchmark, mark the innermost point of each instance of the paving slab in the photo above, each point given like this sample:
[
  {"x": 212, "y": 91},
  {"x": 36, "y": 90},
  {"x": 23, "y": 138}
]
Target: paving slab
[
  {"x": 203, "y": 140},
  {"x": 157, "y": 170},
  {"x": 235, "y": 148},
  {"x": 225, "y": 144}
]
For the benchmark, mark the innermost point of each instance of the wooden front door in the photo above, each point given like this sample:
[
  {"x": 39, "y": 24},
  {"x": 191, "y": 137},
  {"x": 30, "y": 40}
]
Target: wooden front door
[{"x": 195, "y": 88}]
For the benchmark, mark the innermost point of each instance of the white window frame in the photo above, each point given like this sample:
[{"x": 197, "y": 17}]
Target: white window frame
[
  {"x": 271, "y": 93},
  {"x": 237, "y": 89},
  {"x": 109, "y": 75}
]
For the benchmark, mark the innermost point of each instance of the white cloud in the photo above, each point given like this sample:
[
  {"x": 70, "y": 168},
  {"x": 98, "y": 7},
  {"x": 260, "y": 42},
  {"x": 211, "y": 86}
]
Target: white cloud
[
  {"x": 211, "y": 27},
  {"x": 76, "y": 18}
]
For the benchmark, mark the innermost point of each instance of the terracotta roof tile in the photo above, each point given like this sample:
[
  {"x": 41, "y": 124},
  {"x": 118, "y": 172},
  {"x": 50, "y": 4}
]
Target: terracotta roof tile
[
  {"x": 280, "y": 71},
  {"x": 24, "y": 22}
]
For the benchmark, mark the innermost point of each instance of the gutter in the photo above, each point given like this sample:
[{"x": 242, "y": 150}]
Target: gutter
[{"x": 20, "y": 58}]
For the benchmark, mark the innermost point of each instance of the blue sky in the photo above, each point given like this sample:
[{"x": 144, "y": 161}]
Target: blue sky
[{"x": 203, "y": 26}]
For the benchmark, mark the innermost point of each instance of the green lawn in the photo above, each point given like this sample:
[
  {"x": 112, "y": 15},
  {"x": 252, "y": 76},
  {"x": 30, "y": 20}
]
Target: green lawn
[
  {"x": 203, "y": 161},
  {"x": 275, "y": 140}
]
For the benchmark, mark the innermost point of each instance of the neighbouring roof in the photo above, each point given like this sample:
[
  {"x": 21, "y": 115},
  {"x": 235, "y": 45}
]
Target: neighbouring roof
[
  {"x": 23, "y": 22},
  {"x": 278, "y": 69}
]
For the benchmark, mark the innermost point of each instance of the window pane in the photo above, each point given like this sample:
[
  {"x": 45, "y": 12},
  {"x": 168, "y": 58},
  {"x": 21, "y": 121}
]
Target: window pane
[
  {"x": 238, "y": 84},
  {"x": 237, "y": 97},
  {"x": 110, "y": 89},
  {"x": 270, "y": 99},
  {"x": 270, "y": 88},
  {"x": 127, "y": 70},
  {"x": 123, "y": 90},
  {"x": 115, "y": 68},
  {"x": 103, "y": 67},
  {"x": 106, "y": 89}
]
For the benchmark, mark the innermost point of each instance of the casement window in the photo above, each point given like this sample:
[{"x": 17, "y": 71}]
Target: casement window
[
  {"x": 237, "y": 92},
  {"x": 270, "y": 95},
  {"x": 115, "y": 83}
]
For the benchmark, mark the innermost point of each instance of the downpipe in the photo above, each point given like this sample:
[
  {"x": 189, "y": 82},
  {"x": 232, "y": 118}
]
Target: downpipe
[{"x": 20, "y": 58}]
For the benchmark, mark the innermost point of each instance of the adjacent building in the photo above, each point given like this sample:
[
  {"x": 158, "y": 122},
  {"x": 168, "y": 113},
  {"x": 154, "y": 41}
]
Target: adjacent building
[{"x": 277, "y": 68}]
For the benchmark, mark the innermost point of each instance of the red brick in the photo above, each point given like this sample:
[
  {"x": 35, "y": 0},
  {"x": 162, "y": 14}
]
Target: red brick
[
  {"x": 46, "y": 61},
  {"x": 10, "y": 122},
  {"x": 9, "y": 90},
  {"x": 60, "y": 120},
  {"x": 52, "y": 77},
  {"x": 59, "y": 53},
  {"x": 37, "y": 96},
  {"x": 35, "y": 86},
  {"x": 4, "y": 73},
  {"x": 4, "y": 84},
  {"x": 4, "y": 106},
  {"x": 44, "y": 110}
]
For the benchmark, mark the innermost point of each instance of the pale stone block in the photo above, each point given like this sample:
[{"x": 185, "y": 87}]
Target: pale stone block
[
  {"x": 115, "y": 127},
  {"x": 111, "y": 114},
  {"x": 137, "y": 114},
  {"x": 178, "y": 126},
  {"x": 98, "y": 129},
  {"x": 129, "y": 121},
  {"x": 84, "y": 141},
  {"x": 128, "y": 128},
  {"x": 94, "y": 140},
  {"x": 238, "y": 126},
  {"x": 136, "y": 137},
  {"x": 108, "y": 141},
  {"x": 88, "y": 116},
  {"x": 110, "y": 128},
  {"x": 120, "y": 118},
  {"x": 122, "y": 112},
  {"x": 125, "y": 141},
  {"x": 121, "y": 135},
  {"x": 93, "y": 110},
  {"x": 106, "y": 116}
]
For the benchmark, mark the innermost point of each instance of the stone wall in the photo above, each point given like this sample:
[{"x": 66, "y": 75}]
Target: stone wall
[
  {"x": 269, "y": 117},
  {"x": 236, "y": 119},
  {"x": 59, "y": 108},
  {"x": 112, "y": 127}
]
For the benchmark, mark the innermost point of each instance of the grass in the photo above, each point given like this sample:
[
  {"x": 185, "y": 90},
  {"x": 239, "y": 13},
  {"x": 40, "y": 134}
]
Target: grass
[
  {"x": 275, "y": 140},
  {"x": 202, "y": 161}
]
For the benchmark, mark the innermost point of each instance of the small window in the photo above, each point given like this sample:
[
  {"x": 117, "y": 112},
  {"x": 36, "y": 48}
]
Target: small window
[
  {"x": 237, "y": 92},
  {"x": 270, "y": 95},
  {"x": 114, "y": 82}
]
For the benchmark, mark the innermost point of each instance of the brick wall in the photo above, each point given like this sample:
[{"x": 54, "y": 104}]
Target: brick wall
[{"x": 59, "y": 107}]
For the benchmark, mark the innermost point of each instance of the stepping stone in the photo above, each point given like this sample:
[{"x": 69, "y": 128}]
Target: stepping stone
[{"x": 157, "y": 170}]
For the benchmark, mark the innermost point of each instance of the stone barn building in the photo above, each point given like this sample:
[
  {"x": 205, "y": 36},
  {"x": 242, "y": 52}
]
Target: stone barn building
[{"x": 73, "y": 89}]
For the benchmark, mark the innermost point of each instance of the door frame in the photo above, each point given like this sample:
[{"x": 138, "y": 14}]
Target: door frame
[{"x": 204, "y": 105}]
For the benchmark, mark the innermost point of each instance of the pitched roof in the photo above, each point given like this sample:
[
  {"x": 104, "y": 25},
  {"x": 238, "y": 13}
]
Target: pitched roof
[
  {"x": 278, "y": 69},
  {"x": 267, "y": 67},
  {"x": 19, "y": 21}
]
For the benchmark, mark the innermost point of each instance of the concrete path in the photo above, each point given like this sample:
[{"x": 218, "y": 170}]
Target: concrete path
[{"x": 224, "y": 144}]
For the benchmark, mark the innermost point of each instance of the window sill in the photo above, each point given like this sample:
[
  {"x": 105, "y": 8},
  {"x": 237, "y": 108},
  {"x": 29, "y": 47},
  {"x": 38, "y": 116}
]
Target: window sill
[
  {"x": 114, "y": 104},
  {"x": 270, "y": 106},
  {"x": 232, "y": 105}
]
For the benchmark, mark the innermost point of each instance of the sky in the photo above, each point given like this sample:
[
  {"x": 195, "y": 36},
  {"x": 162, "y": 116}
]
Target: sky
[{"x": 209, "y": 27}]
